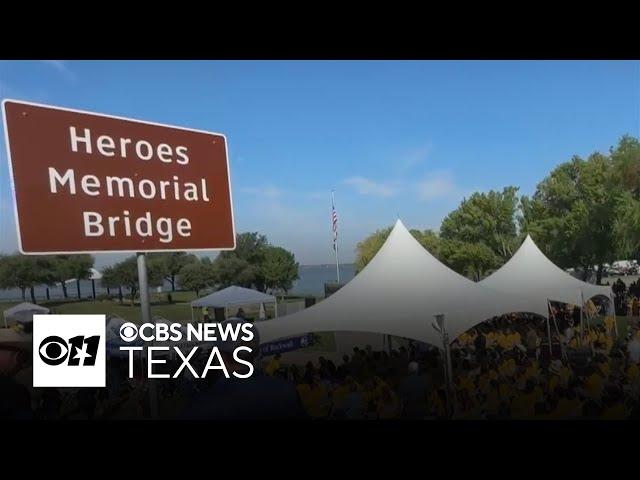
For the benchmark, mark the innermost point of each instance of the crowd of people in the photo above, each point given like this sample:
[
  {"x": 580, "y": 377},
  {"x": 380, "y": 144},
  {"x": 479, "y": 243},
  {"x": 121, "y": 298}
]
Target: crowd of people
[
  {"x": 517, "y": 366},
  {"x": 627, "y": 298},
  {"x": 504, "y": 368}
]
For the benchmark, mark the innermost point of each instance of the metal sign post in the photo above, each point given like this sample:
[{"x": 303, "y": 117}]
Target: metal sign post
[
  {"x": 439, "y": 326},
  {"x": 145, "y": 306}
]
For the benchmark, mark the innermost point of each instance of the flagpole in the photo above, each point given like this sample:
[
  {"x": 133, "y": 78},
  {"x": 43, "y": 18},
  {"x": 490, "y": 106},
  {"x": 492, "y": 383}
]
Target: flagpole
[{"x": 335, "y": 238}]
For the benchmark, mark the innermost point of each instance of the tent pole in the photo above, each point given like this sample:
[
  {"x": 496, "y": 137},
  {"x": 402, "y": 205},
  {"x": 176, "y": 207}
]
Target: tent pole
[
  {"x": 275, "y": 303},
  {"x": 555, "y": 325},
  {"x": 612, "y": 308},
  {"x": 585, "y": 316},
  {"x": 448, "y": 368},
  {"x": 581, "y": 336},
  {"x": 549, "y": 335}
]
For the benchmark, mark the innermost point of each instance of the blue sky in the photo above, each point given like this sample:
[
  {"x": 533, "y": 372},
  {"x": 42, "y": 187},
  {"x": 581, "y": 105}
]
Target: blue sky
[{"x": 391, "y": 138}]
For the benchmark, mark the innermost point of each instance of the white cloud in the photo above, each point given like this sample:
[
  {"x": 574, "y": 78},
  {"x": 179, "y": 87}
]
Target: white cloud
[
  {"x": 413, "y": 158},
  {"x": 61, "y": 67},
  {"x": 266, "y": 191},
  {"x": 437, "y": 185},
  {"x": 365, "y": 186},
  {"x": 318, "y": 195}
]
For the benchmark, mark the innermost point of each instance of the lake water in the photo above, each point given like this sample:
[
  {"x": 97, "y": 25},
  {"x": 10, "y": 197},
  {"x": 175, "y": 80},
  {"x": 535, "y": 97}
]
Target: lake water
[
  {"x": 311, "y": 282},
  {"x": 313, "y": 278}
]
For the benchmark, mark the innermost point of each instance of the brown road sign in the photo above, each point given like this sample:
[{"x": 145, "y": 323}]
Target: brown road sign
[{"x": 87, "y": 182}]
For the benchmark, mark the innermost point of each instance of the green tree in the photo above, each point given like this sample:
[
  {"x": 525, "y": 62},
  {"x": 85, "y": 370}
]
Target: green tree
[
  {"x": 625, "y": 179},
  {"x": 79, "y": 267},
  {"x": 474, "y": 260},
  {"x": 231, "y": 270},
  {"x": 197, "y": 276},
  {"x": 279, "y": 269},
  {"x": 126, "y": 273},
  {"x": 25, "y": 272},
  {"x": 242, "y": 265},
  {"x": 110, "y": 280},
  {"x": 172, "y": 263},
  {"x": 368, "y": 248},
  {"x": 250, "y": 246},
  {"x": 626, "y": 226},
  {"x": 430, "y": 240},
  {"x": 572, "y": 214},
  {"x": 488, "y": 218},
  {"x": 62, "y": 271}
]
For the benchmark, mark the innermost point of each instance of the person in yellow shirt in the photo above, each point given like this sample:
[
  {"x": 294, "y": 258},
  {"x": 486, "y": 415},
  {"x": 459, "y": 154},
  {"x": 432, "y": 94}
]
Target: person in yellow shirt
[
  {"x": 614, "y": 406},
  {"x": 524, "y": 402},
  {"x": 504, "y": 389},
  {"x": 568, "y": 406},
  {"x": 378, "y": 387},
  {"x": 388, "y": 405},
  {"x": 610, "y": 324},
  {"x": 573, "y": 343},
  {"x": 604, "y": 341},
  {"x": 437, "y": 403},
  {"x": 594, "y": 385},
  {"x": 516, "y": 339},
  {"x": 561, "y": 377},
  {"x": 484, "y": 382},
  {"x": 339, "y": 394},
  {"x": 369, "y": 393},
  {"x": 538, "y": 394},
  {"x": 605, "y": 369},
  {"x": 532, "y": 369},
  {"x": 491, "y": 339},
  {"x": 504, "y": 341},
  {"x": 493, "y": 399},
  {"x": 314, "y": 397},
  {"x": 565, "y": 375},
  {"x": 273, "y": 366},
  {"x": 508, "y": 367},
  {"x": 616, "y": 411},
  {"x": 463, "y": 339},
  {"x": 465, "y": 382}
]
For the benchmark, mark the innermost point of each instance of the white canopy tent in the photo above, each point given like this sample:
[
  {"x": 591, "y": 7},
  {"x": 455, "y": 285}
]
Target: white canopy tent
[
  {"x": 398, "y": 293},
  {"x": 234, "y": 296},
  {"x": 23, "y": 312},
  {"x": 529, "y": 272}
]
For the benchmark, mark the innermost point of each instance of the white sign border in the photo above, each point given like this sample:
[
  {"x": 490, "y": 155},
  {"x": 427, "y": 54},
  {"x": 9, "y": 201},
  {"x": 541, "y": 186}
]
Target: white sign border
[{"x": 72, "y": 252}]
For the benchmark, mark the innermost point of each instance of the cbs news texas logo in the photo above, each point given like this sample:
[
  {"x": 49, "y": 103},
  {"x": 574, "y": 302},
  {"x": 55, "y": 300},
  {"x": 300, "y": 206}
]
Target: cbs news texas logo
[{"x": 69, "y": 351}]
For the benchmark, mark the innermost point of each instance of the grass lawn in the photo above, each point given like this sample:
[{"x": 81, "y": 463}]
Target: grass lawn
[
  {"x": 623, "y": 323},
  {"x": 178, "y": 311},
  {"x": 324, "y": 342}
]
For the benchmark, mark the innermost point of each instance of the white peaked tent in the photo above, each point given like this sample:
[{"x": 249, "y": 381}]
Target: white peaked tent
[
  {"x": 398, "y": 293},
  {"x": 234, "y": 296},
  {"x": 23, "y": 312},
  {"x": 95, "y": 274},
  {"x": 529, "y": 272}
]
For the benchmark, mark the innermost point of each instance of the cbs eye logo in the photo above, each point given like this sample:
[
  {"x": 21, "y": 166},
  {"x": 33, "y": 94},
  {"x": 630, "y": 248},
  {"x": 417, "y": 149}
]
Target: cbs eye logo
[
  {"x": 77, "y": 351},
  {"x": 128, "y": 331},
  {"x": 69, "y": 351}
]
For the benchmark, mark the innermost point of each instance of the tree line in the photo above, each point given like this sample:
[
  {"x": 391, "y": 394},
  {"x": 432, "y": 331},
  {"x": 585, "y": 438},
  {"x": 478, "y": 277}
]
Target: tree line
[
  {"x": 584, "y": 214},
  {"x": 255, "y": 263}
]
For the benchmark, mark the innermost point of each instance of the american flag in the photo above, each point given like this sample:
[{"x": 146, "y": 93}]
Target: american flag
[{"x": 334, "y": 221}]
